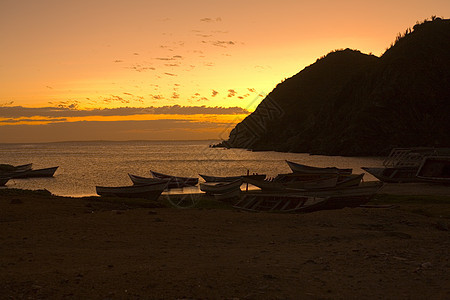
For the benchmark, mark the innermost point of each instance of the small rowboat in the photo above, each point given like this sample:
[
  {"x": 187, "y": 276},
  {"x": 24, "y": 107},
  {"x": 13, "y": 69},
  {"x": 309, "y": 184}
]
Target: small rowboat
[
  {"x": 220, "y": 187},
  {"x": 47, "y": 172},
  {"x": 149, "y": 191},
  {"x": 176, "y": 182},
  {"x": 299, "y": 168},
  {"x": 230, "y": 178}
]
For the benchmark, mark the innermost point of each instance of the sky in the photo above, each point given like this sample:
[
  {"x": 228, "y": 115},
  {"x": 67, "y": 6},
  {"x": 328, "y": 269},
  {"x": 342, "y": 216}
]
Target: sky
[{"x": 174, "y": 69}]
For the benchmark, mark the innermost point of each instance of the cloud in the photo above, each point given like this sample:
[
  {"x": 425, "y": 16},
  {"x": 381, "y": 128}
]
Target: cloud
[
  {"x": 210, "y": 20},
  {"x": 34, "y": 120},
  {"x": 214, "y": 93},
  {"x": 223, "y": 44},
  {"x": 165, "y": 129},
  {"x": 231, "y": 93},
  {"x": 7, "y": 103},
  {"x": 170, "y": 74},
  {"x": 16, "y": 112},
  {"x": 140, "y": 68}
]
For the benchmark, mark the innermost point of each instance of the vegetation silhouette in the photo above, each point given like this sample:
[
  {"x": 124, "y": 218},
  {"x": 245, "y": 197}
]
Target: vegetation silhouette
[{"x": 354, "y": 104}]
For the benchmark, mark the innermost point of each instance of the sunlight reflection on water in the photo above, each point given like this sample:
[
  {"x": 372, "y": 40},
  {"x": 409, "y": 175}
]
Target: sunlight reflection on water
[{"x": 83, "y": 165}]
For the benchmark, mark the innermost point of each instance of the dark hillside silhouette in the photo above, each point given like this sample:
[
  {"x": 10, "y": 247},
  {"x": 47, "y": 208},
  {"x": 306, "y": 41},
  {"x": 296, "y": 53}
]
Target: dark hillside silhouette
[{"x": 349, "y": 103}]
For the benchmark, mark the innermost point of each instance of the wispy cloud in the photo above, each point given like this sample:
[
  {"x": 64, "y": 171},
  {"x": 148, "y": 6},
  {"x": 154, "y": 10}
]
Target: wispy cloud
[
  {"x": 223, "y": 44},
  {"x": 40, "y": 120},
  {"x": 231, "y": 93},
  {"x": 211, "y": 20},
  {"x": 15, "y": 112}
]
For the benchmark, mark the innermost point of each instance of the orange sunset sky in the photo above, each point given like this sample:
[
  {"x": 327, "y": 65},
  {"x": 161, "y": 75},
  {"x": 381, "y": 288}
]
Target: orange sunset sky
[{"x": 175, "y": 69}]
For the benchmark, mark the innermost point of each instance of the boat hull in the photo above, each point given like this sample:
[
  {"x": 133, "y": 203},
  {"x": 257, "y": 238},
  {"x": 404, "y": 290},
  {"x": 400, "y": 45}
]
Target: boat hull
[
  {"x": 149, "y": 191},
  {"x": 435, "y": 169},
  {"x": 299, "y": 168},
  {"x": 47, "y": 172}
]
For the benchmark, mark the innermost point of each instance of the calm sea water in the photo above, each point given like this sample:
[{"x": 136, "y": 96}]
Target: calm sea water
[{"x": 83, "y": 165}]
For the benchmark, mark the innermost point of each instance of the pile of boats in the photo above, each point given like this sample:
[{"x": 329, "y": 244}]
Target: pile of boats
[
  {"x": 406, "y": 165},
  {"x": 8, "y": 172},
  {"x": 147, "y": 187},
  {"x": 306, "y": 188}
]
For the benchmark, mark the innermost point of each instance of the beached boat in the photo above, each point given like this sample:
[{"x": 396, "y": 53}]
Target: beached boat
[
  {"x": 299, "y": 168},
  {"x": 3, "y": 181},
  {"x": 281, "y": 185},
  {"x": 139, "y": 180},
  {"x": 47, "y": 172},
  {"x": 278, "y": 203},
  {"x": 435, "y": 169},
  {"x": 402, "y": 164},
  {"x": 325, "y": 199},
  {"x": 149, "y": 191},
  {"x": 176, "y": 181},
  {"x": 220, "y": 187}
]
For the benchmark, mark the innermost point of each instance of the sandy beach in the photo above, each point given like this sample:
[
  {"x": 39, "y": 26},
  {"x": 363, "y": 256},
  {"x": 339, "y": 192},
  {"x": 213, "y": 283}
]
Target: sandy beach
[{"x": 81, "y": 248}]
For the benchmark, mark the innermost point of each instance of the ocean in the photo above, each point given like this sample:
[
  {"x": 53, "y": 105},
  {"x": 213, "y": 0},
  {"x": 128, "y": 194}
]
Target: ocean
[{"x": 83, "y": 165}]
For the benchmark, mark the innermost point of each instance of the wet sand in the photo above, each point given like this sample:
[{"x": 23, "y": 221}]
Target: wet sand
[{"x": 79, "y": 248}]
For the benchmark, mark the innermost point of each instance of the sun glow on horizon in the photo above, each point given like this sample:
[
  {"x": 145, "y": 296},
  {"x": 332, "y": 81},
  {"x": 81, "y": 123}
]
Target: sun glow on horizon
[{"x": 102, "y": 54}]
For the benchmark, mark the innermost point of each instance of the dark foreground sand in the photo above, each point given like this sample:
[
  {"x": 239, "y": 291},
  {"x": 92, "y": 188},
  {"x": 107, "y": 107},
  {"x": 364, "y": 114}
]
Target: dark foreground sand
[{"x": 58, "y": 248}]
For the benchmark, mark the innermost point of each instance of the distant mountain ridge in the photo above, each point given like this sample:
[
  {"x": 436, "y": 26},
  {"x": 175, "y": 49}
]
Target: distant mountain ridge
[{"x": 350, "y": 103}]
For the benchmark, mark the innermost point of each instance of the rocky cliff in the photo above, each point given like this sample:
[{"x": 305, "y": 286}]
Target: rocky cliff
[{"x": 350, "y": 103}]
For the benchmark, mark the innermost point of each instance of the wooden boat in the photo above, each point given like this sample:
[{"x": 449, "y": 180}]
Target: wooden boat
[
  {"x": 150, "y": 191},
  {"x": 402, "y": 164},
  {"x": 176, "y": 182},
  {"x": 299, "y": 168},
  {"x": 281, "y": 203},
  {"x": 395, "y": 174},
  {"x": 3, "y": 181},
  {"x": 314, "y": 200},
  {"x": 281, "y": 185},
  {"x": 435, "y": 169},
  {"x": 220, "y": 187},
  {"x": 139, "y": 180},
  {"x": 229, "y": 178},
  {"x": 47, "y": 172}
]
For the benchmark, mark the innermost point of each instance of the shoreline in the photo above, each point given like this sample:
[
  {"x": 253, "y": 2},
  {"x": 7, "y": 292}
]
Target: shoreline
[{"x": 74, "y": 248}]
